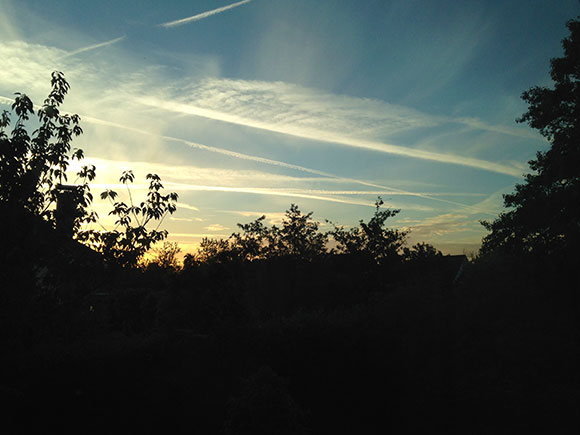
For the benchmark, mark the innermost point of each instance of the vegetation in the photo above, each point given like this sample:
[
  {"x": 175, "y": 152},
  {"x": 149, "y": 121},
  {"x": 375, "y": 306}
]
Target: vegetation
[
  {"x": 269, "y": 331},
  {"x": 543, "y": 216},
  {"x": 128, "y": 246},
  {"x": 373, "y": 238},
  {"x": 34, "y": 167},
  {"x": 299, "y": 238}
]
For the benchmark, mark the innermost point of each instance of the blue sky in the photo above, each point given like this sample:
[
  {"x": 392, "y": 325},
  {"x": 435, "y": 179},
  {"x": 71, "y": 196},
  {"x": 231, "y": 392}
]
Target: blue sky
[{"x": 246, "y": 107}]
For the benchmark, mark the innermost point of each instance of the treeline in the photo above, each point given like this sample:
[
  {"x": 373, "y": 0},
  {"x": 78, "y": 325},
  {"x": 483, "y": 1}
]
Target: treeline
[{"x": 299, "y": 238}]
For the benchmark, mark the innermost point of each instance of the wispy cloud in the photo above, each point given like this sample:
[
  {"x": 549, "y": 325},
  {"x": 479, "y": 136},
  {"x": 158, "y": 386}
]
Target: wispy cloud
[
  {"x": 277, "y": 107},
  {"x": 291, "y": 193},
  {"x": 478, "y": 124},
  {"x": 188, "y": 206},
  {"x": 456, "y": 223},
  {"x": 197, "y": 235},
  {"x": 273, "y": 218},
  {"x": 203, "y": 15},
  {"x": 335, "y": 137},
  {"x": 304, "y": 113},
  {"x": 94, "y": 47},
  {"x": 494, "y": 203},
  {"x": 225, "y": 176},
  {"x": 439, "y": 225},
  {"x": 177, "y": 219},
  {"x": 390, "y": 192},
  {"x": 191, "y": 178},
  {"x": 216, "y": 227}
]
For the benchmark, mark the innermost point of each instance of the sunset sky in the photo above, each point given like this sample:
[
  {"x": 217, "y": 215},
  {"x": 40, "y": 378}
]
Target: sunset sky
[{"x": 246, "y": 107}]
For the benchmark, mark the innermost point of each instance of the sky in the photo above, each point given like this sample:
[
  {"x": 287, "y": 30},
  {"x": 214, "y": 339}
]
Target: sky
[{"x": 244, "y": 108}]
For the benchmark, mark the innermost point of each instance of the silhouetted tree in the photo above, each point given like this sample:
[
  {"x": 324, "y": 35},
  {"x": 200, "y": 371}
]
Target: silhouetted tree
[
  {"x": 253, "y": 242},
  {"x": 372, "y": 237},
  {"x": 166, "y": 256},
  {"x": 189, "y": 261},
  {"x": 127, "y": 247},
  {"x": 422, "y": 251},
  {"x": 212, "y": 251},
  {"x": 34, "y": 167},
  {"x": 544, "y": 215},
  {"x": 298, "y": 237},
  {"x": 33, "y": 170}
]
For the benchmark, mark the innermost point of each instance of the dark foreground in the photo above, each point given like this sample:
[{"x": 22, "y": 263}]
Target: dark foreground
[{"x": 227, "y": 350}]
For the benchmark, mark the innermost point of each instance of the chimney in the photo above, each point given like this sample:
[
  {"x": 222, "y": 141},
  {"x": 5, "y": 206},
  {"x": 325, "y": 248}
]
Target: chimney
[{"x": 67, "y": 201}]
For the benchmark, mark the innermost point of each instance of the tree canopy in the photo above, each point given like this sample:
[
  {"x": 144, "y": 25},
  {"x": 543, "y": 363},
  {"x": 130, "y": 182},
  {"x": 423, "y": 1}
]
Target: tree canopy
[
  {"x": 544, "y": 211},
  {"x": 372, "y": 237},
  {"x": 33, "y": 167},
  {"x": 34, "y": 179}
]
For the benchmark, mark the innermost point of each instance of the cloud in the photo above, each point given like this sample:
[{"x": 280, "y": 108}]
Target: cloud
[
  {"x": 292, "y": 193},
  {"x": 216, "y": 227},
  {"x": 218, "y": 150},
  {"x": 273, "y": 218},
  {"x": 197, "y": 235},
  {"x": 478, "y": 124},
  {"x": 272, "y": 162},
  {"x": 439, "y": 225},
  {"x": 183, "y": 178},
  {"x": 202, "y": 15},
  {"x": 451, "y": 225},
  {"x": 93, "y": 47},
  {"x": 27, "y": 65},
  {"x": 187, "y": 206},
  {"x": 304, "y": 113},
  {"x": 272, "y": 106},
  {"x": 392, "y": 193},
  {"x": 494, "y": 202},
  {"x": 172, "y": 218},
  {"x": 192, "y": 178},
  {"x": 176, "y": 175}
]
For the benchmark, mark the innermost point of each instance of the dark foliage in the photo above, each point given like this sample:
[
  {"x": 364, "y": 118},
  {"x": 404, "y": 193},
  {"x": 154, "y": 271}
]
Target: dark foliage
[
  {"x": 264, "y": 406},
  {"x": 128, "y": 246},
  {"x": 543, "y": 219},
  {"x": 34, "y": 167},
  {"x": 297, "y": 238},
  {"x": 372, "y": 238}
]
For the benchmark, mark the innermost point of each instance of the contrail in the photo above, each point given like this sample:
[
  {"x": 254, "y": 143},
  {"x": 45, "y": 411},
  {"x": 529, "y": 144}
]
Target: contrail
[
  {"x": 94, "y": 46},
  {"x": 269, "y": 191},
  {"x": 202, "y": 15},
  {"x": 331, "y": 137},
  {"x": 277, "y": 163}
]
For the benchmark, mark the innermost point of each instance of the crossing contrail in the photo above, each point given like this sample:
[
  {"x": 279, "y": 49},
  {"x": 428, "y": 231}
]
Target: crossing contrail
[
  {"x": 94, "y": 46},
  {"x": 203, "y": 15}
]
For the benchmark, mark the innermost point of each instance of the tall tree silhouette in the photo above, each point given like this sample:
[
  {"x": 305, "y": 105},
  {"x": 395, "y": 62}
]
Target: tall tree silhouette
[
  {"x": 545, "y": 210},
  {"x": 33, "y": 167},
  {"x": 34, "y": 176}
]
